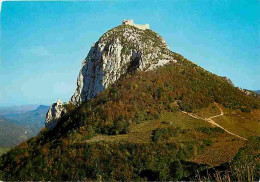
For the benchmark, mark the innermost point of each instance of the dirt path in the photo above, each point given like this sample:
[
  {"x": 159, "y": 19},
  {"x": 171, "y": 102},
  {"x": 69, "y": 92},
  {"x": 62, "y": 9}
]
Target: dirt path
[{"x": 213, "y": 122}]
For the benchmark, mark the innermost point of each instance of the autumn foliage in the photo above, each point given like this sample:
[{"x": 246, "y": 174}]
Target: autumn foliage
[{"x": 136, "y": 97}]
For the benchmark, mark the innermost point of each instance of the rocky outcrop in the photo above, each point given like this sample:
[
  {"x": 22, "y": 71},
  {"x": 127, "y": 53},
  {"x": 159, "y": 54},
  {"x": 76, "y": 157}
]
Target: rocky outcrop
[
  {"x": 119, "y": 51},
  {"x": 228, "y": 80},
  {"x": 247, "y": 92},
  {"x": 55, "y": 112}
]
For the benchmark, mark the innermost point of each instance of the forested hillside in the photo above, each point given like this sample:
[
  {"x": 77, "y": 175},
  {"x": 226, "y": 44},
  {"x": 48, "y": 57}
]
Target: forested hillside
[{"x": 94, "y": 141}]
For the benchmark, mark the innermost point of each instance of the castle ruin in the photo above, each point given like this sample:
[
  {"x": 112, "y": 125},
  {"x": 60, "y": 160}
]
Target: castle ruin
[{"x": 131, "y": 22}]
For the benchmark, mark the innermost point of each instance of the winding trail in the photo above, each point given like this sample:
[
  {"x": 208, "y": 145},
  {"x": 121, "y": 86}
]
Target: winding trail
[{"x": 213, "y": 122}]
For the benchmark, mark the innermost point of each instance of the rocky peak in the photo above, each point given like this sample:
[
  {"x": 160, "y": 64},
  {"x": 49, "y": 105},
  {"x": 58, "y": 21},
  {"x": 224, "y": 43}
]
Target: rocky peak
[{"x": 119, "y": 51}]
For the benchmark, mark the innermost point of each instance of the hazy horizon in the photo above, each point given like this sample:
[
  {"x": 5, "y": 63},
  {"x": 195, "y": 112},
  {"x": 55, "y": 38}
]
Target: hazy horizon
[{"x": 44, "y": 43}]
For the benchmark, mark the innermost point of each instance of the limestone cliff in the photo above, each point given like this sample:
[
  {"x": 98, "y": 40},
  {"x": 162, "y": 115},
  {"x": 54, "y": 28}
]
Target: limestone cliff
[
  {"x": 55, "y": 112},
  {"x": 119, "y": 51}
]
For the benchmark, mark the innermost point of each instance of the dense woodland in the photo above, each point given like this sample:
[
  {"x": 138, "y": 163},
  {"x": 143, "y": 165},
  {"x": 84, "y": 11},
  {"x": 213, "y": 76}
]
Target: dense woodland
[{"x": 137, "y": 97}]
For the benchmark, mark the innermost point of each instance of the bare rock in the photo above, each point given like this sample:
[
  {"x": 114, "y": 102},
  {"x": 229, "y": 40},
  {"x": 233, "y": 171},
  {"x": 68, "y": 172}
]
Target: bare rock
[
  {"x": 119, "y": 51},
  {"x": 55, "y": 112}
]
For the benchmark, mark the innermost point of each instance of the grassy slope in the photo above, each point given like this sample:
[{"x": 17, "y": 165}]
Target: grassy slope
[
  {"x": 242, "y": 123},
  {"x": 141, "y": 133},
  {"x": 241, "y": 126},
  {"x": 3, "y": 150},
  {"x": 209, "y": 111},
  {"x": 223, "y": 149},
  {"x": 178, "y": 119},
  {"x": 113, "y": 135}
]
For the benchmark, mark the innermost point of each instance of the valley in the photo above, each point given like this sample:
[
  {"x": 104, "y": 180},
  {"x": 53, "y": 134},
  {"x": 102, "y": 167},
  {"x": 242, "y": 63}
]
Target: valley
[{"x": 18, "y": 124}]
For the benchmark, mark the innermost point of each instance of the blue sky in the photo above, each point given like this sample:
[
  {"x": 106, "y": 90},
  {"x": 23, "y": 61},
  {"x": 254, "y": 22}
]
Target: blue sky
[{"x": 44, "y": 43}]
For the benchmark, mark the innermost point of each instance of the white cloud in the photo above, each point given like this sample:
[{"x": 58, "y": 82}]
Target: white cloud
[{"x": 1, "y": 1}]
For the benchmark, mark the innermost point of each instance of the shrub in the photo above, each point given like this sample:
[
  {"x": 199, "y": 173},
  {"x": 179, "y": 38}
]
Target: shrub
[
  {"x": 208, "y": 130},
  {"x": 163, "y": 134},
  {"x": 121, "y": 127},
  {"x": 245, "y": 109},
  {"x": 207, "y": 142},
  {"x": 176, "y": 170}
]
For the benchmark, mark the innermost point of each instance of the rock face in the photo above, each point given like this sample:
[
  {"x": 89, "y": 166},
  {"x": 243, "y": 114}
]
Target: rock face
[
  {"x": 55, "y": 112},
  {"x": 247, "y": 92},
  {"x": 119, "y": 51}
]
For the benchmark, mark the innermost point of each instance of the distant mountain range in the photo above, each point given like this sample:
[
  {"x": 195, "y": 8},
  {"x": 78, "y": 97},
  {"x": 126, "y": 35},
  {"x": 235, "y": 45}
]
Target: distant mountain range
[
  {"x": 257, "y": 91},
  {"x": 20, "y": 123},
  {"x": 17, "y": 109},
  {"x": 34, "y": 117}
]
